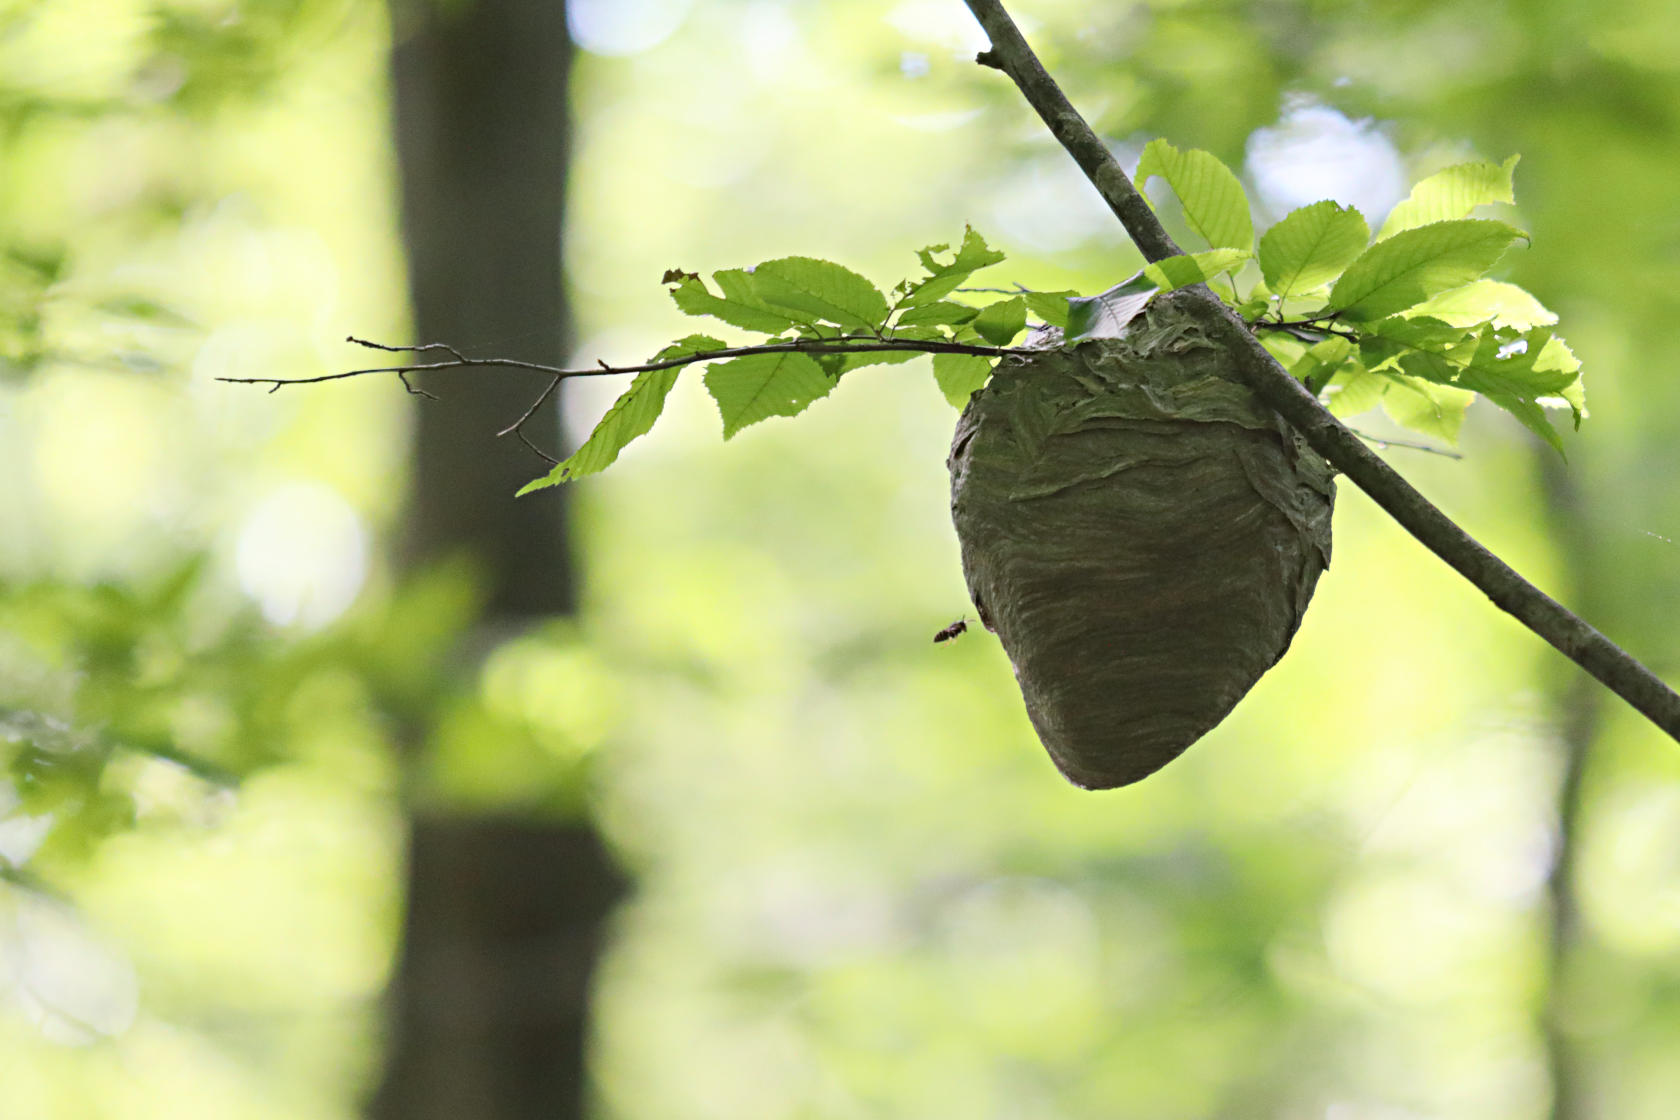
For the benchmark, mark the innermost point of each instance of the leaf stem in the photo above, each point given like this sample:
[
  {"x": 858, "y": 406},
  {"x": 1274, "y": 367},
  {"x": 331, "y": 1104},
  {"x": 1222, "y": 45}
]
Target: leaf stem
[{"x": 1256, "y": 368}]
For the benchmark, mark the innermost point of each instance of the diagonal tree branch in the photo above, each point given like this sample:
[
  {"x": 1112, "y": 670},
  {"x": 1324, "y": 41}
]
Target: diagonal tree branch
[{"x": 1577, "y": 640}]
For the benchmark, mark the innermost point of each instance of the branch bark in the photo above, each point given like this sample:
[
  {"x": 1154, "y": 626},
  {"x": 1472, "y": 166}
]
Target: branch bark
[{"x": 1255, "y": 367}]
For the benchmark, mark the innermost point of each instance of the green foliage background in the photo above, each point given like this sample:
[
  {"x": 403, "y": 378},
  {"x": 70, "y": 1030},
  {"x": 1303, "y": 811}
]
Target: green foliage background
[{"x": 862, "y": 889}]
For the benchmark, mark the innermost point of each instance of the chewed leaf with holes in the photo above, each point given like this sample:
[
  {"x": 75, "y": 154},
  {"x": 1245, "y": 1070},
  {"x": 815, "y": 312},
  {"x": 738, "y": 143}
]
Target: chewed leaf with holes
[{"x": 945, "y": 277}]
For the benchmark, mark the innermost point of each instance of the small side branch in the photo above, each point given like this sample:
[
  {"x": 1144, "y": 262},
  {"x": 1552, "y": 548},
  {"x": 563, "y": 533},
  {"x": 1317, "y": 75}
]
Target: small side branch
[
  {"x": 1597, "y": 654},
  {"x": 868, "y": 344}
]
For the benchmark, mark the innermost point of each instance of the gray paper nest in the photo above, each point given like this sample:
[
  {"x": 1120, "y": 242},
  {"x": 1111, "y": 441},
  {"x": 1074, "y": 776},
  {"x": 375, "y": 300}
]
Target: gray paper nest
[{"x": 1142, "y": 534}]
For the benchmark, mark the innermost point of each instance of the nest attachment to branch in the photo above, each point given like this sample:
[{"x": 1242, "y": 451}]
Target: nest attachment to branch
[{"x": 1143, "y": 535}]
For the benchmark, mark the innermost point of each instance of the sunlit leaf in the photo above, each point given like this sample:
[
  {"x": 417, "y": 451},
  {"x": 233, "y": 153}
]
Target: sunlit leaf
[
  {"x": 939, "y": 313},
  {"x": 760, "y": 386},
  {"x": 960, "y": 375},
  {"x": 1482, "y": 301},
  {"x": 1214, "y": 203},
  {"x": 1411, "y": 266},
  {"x": 1052, "y": 307},
  {"x": 1193, "y": 268},
  {"x": 999, "y": 323},
  {"x": 1321, "y": 361},
  {"x": 630, "y": 416},
  {"x": 810, "y": 288},
  {"x": 739, "y": 304},
  {"x": 1354, "y": 390},
  {"x": 1452, "y": 193},
  {"x": 1434, "y": 410},
  {"x": 1311, "y": 246},
  {"x": 945, "y": 277}
]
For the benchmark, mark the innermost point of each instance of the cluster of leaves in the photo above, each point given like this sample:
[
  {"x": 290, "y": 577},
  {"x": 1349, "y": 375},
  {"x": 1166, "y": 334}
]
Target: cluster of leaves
[{"x": 1408, "y": 320}]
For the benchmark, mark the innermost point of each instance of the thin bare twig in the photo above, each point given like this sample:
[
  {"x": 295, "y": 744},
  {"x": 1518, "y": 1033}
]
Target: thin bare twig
[
  {"x": 1611, "y": 665},
  {"x": 844, "y": 345}
]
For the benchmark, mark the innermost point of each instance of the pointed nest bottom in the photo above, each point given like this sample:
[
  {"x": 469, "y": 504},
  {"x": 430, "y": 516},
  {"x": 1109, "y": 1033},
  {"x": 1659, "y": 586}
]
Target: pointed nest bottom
[{"x": 1142, "y": 533}]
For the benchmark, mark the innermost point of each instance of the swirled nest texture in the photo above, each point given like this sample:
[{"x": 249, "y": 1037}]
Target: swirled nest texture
[{"x": 1143, "y": 535}]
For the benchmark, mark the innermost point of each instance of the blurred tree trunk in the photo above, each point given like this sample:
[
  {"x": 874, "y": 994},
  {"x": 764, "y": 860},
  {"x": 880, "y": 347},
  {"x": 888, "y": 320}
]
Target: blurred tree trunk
[
  {"x": 1577, "y": 722},
  {"x": 488, "y": 1006}
]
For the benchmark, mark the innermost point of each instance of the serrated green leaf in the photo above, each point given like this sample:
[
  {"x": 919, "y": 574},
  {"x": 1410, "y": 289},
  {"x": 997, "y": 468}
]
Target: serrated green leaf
[
  {"x": 809, "y": 288},
  {"x": 960, "y": 376},
  {"x": 1193, "y": 268},
  {"x": 1434, "y": 410},
  {"x": 1413, "y": 265},
  {"x": 1481, "y": 301},
  {"x": 939, "y": 313},
  {"x": 1106, "y": 314},
  {"x": 1452, "y": 193},
  {"x": 999, "y": 323},
  {"x": 1214, "y": 202},
  {"x": 739, "y": 305},
  {"x": 1052, "y": 307},
  {"x": 1311, "y": 246},
  {"x": 945, "y": 277},
  {"x": 630, "y": 416},
  {"x": 759, "y": 386},
  {"x": 1533, "y": 417}
]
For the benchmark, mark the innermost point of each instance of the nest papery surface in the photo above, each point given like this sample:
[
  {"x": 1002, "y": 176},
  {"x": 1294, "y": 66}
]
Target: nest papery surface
[{"x": 1143, "y": 535}]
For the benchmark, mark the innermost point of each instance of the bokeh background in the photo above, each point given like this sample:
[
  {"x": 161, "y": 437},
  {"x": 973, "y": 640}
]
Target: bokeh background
[{"x": 328, "y": 778}]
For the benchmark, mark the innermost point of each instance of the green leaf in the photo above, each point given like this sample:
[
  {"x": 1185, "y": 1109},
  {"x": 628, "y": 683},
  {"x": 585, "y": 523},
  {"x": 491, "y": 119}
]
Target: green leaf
[
  {"x": 1482, "y": 301},
  {"x": 760, "y": 386},
  {"x": 945, "y": 277},
  {"x": 1193, "y": 268},
  {"x": 999, "y": 323},
  {"x": 1434, "y": 410},
  {"x": 1319, "y": 364},
  {"x": 1411, "y": 266},
  {"x": 1422, "y": 331},
  {"x": 960, "y": 376},
  {"x": 815, "y": 289},
  {"x": 630, "y": 416},
  {"x": 1213, "y": 199},
  {"x": 1501, "y": 364},
  {"x": 739, "y": 305},
  {"x": 1452, "y": 193},
  {"x": 939, "y": 313},
  {"x": 1106, "y": 314},
  {"x": 1052, "y": 307},
  {"x": 1311, "y": 246},
  {"x": 1354, "y": 390}
]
